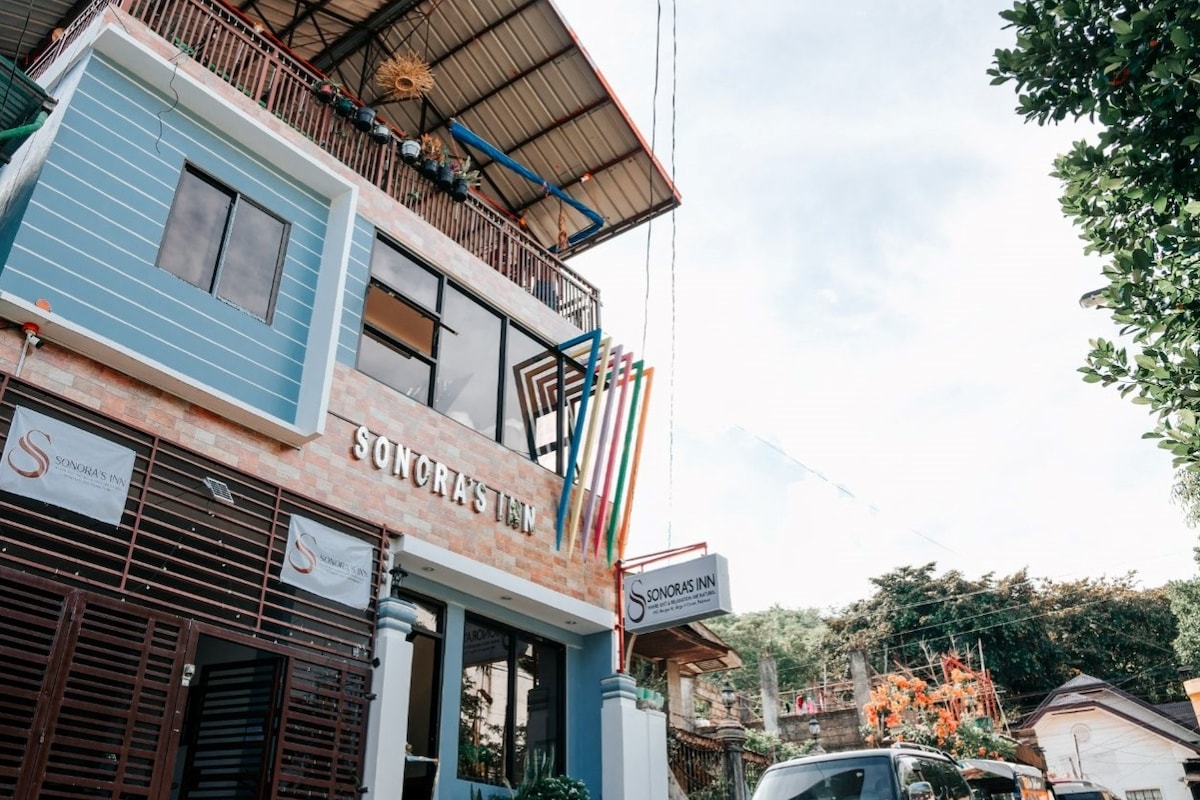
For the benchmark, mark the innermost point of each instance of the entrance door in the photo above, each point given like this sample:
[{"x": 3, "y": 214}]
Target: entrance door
[
  {"x": 229, "y": 734},
  {"x": 89, "y": 707}
]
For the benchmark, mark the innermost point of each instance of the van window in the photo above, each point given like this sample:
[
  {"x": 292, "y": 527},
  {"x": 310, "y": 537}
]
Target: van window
[
  {"x": 861, "y": 778},
  {"x": 947, "y": 783}
]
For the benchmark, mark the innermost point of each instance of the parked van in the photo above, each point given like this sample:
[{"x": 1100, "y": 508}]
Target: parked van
[
  {"x": 1082, "y": 790},
  {"x": 903, "y": 772},
  {"x": 1001, "y": 780}
]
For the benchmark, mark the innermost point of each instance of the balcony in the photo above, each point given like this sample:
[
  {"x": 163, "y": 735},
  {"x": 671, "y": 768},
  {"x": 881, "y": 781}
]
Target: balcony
[
  {"x": 239, "y": 52},
  {"x": 23, "y": 107}
]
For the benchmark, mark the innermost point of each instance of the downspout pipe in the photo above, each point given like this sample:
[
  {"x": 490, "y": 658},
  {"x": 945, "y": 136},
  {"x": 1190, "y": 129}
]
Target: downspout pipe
[{"x": 464, "y": 134}]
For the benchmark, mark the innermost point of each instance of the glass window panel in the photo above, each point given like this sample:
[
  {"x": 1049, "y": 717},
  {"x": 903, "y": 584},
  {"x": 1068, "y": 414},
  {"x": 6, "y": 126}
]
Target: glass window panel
[
  {"x": 399, "y": 319},
  {"x": 484, "y": 707},
  {"x": 539, "y": 697},
  {"x": 195, "y": 229},
  {"x": 402, "y": 371},
  {"x": 403, "y": 274},
  {"x": 253, "y": 257},
  {"x": 519, "y": 347},
  {"x": 468, "y": 363}
]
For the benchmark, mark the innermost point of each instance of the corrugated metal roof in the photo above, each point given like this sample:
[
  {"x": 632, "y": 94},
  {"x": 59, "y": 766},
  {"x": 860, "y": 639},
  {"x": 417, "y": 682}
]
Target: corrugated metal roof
[{"x": 509, "y": 70}]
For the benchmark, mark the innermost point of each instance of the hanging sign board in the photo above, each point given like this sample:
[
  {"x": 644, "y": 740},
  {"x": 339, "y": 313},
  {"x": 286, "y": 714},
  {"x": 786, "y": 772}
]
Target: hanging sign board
[{"x": 661, "y": 598}]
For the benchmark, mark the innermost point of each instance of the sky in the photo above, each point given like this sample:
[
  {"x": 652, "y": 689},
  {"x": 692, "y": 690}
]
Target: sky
[{"x": 864, "y": 315}]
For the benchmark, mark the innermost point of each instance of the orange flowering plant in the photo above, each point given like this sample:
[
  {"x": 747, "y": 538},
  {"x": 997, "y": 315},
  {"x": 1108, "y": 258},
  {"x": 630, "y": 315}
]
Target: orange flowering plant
[{"x": 905, "y": 708}]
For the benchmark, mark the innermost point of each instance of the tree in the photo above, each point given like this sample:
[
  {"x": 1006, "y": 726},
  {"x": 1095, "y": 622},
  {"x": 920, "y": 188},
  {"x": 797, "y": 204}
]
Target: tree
[
  {"x": 1134, "y": 69},
  {"x": 1034, "y": 634},
  {"x": 915, "y": 615},
  {"x": 791, "y": 636}
]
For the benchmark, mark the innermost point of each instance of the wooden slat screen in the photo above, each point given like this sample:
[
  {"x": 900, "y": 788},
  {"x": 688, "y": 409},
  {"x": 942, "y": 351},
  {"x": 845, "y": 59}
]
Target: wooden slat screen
[
  {"x": 324, "y": 719},
  {"x": 109, "y": 734},
  {"x": 177, "y": 549},
  {"x": 29, "y": 621}
]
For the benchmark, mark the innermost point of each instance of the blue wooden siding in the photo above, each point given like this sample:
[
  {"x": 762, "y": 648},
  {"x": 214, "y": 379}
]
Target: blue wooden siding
[
  {"x": 358, "y": 273},
  {"x": 90, "y": 236}
]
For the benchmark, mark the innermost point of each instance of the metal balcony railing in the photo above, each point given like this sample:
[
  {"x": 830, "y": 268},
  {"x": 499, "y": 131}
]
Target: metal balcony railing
[{"x": 265, "y": 71}]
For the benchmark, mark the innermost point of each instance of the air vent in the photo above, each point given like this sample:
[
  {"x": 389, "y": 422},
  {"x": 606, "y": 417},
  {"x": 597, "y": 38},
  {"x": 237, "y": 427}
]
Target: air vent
[{"x": 219, "y": 490}]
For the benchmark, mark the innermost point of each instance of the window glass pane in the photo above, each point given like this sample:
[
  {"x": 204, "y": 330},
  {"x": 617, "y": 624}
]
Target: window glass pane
[
  {"x": 399, "y": 319},
  {"x": 484, "y": 708},
  {"x": 520, "y": 347},
  {"x": 253, "y": 257},
  {"x": 539, "y": 696},
  {"x": 468, "y": 363},
  {"x": 404, "y": 275},
  {"x": 403, "y": 372},
  {"x": 195, "y": 228}
]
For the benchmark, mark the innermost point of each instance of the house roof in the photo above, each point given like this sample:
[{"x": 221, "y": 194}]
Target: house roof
[
  {"x": 1084, "y": 692},
  {"x": 511, "y": 71},
  {"x": 693, "y": 645}
]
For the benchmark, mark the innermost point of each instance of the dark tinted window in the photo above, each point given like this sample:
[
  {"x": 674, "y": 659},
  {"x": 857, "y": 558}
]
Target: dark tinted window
[
  {"x": 855, "y": 778},
  {"x": 224, "y": 243}
]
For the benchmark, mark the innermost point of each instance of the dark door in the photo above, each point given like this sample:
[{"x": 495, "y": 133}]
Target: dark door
[
  {"x": 90, "y": 705},
  {"x": 230, "y": 731}
]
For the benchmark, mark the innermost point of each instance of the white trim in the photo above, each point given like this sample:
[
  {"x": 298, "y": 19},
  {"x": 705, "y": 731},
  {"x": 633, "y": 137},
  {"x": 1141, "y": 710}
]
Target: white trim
[{"x": 490, "y": 583}]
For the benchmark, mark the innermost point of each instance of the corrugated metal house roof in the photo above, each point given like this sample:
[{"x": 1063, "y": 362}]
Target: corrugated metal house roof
[{"x": 511, "y": 71}]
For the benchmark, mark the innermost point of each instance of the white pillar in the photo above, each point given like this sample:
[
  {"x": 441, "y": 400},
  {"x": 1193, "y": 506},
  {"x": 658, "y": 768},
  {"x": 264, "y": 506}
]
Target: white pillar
[
  {"x": 387, "y": 722},
  {"x": 633, "y": 744}
]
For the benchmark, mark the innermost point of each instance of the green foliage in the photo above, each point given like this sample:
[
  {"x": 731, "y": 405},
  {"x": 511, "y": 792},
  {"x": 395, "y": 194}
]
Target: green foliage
[
  {"x": 1135, "y": 70},
  {"x": 1186, "y": 493},
  {"x": 791, "y": 636},
  {"x": 766, "y": 744},
  {"x": 1035, "y": 635}
]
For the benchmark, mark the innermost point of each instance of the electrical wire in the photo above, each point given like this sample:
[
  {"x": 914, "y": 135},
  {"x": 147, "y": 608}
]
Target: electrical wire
[
  {"x": 12, "y": 72},
  {"x": 671, "y": 380}
]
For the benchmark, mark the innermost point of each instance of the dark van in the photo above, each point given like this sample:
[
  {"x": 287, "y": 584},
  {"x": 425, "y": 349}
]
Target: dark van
[{"x": 903, "y": 772}]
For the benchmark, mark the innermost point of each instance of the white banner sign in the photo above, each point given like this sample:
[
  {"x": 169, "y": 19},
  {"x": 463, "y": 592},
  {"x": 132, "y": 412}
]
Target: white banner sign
[
  {"x": 48, "y": 460},
  {"x": 325, "y": 562}
]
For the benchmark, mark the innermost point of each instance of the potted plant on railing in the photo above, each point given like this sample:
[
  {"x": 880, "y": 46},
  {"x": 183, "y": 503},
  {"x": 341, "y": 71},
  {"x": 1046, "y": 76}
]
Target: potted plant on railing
[
  {"x": 381, "y": 132},
  {"x": 464, "y": 180},
  {"x": 446, "y": 173},
  {"x": 325, "y": 92},
  {"x": 410, "y": 151},
  {"x": 344, "y": 105},
  {"x": 432, "y": 156},
  {"x": 364, "y": 118}
]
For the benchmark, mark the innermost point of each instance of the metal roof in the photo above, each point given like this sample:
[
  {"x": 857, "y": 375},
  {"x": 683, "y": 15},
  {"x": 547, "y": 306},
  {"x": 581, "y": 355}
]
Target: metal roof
[{"x": 511, "y": 71}]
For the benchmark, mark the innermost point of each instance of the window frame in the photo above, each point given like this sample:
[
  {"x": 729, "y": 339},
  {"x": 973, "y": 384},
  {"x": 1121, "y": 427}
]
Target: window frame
[
  {"x": 511, "y": 770},
  {"x": 434, "y": 360},
  {"x": 236, "y": 199}
]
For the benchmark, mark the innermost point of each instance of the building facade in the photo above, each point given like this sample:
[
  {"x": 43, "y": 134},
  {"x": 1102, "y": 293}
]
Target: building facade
[{"x": 286, "y": 501}]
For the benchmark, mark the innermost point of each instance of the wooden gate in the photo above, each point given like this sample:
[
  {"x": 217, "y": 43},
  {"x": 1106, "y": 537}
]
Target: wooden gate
[{"x": 90, "y": 704}]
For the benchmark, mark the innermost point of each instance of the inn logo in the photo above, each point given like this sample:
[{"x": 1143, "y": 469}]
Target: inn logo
[
  {"x": 54, "y": 462},
  {"x": 302, "y": 555},
  {"x": 39, "y": 457},
  {"x": 328, "y": 563}
]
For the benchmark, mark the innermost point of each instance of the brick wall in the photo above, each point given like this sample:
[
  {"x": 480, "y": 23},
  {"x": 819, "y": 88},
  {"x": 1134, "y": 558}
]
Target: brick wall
[{"x": 326, "y": 470}]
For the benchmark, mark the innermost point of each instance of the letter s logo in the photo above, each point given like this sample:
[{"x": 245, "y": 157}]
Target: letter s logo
[
  {"x": 40, "y": 457},
  {"x": 637, "y": 602},
  {"x": 302, "y": 557}
]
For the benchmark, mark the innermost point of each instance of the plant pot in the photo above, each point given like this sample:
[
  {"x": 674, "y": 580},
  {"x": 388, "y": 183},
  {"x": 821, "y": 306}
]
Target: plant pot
[
  {"x": 445, "y": 177},
  {"x": 343, "y": 106},
  {"x": 459, "y": 189},
  {"x": 429, "y": 168},
  {"x": 364, "y": 118},
  {"x": 410, "y": 151},
  {"x": 381, "y": 133},
  {"x": 325, "y": 92}
]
